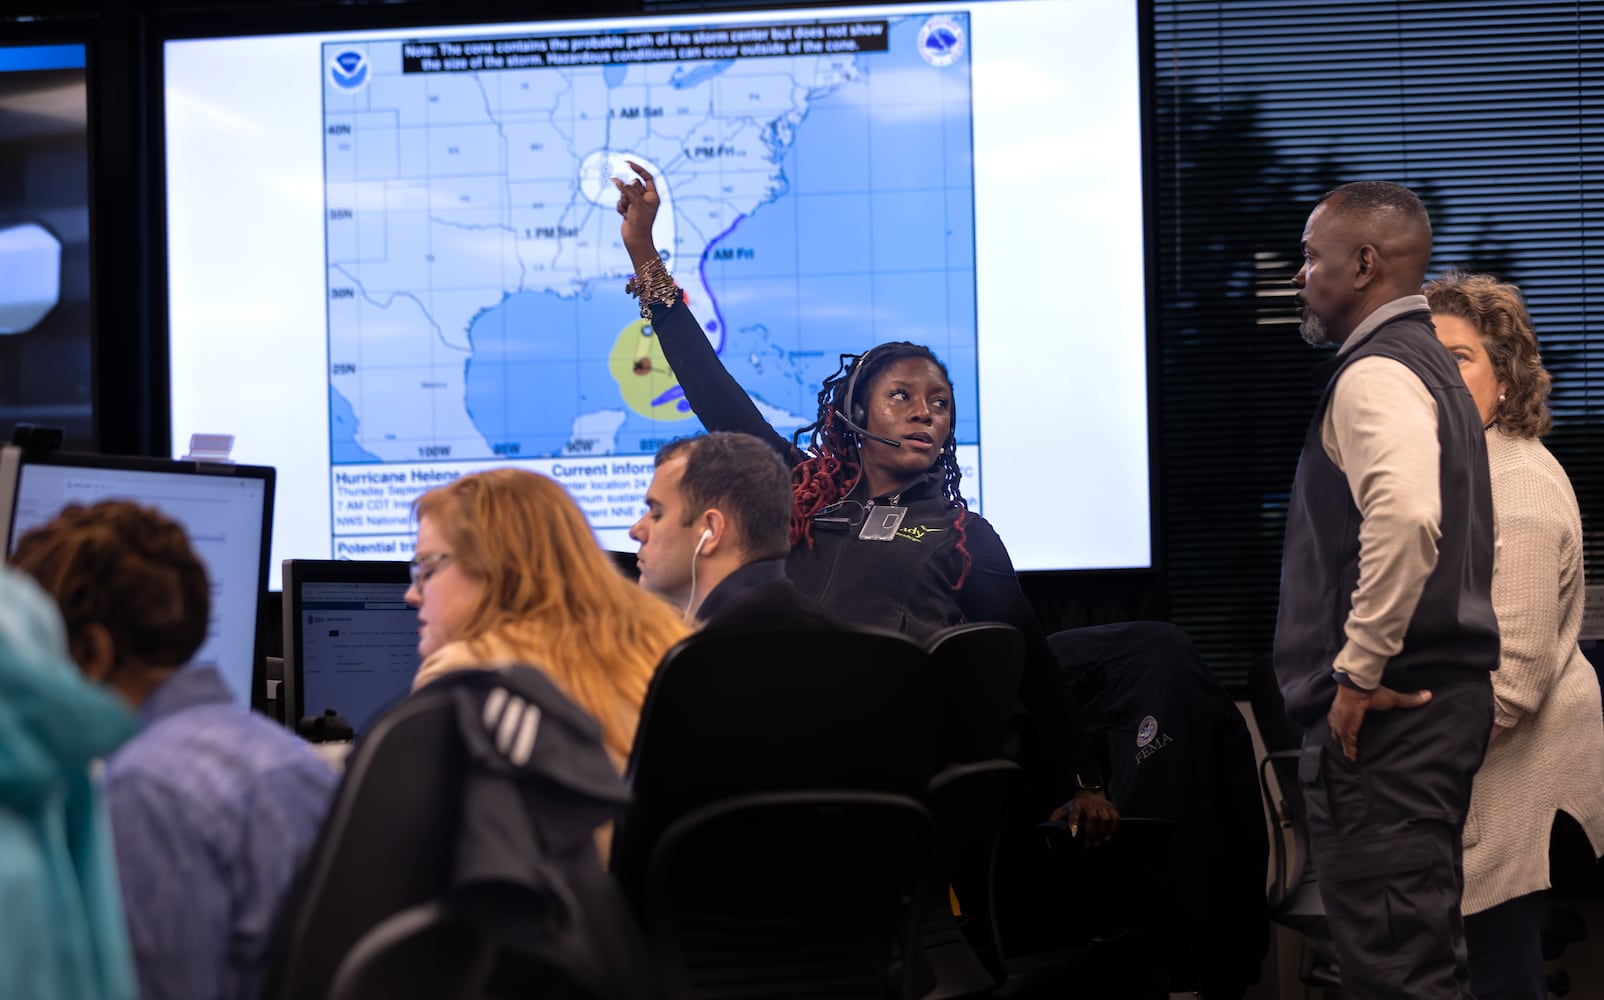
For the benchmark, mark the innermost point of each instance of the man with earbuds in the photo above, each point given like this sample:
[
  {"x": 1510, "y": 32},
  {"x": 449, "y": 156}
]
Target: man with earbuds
[{"x": 716, "y": 532}]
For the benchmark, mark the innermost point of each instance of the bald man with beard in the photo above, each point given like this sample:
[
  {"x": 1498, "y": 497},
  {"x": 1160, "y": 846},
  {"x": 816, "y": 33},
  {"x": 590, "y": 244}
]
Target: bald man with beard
[{"x": 1385, "y": 640}]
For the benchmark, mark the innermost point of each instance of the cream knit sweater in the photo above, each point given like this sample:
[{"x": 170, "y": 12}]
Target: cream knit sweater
[{"x": 1552, "y": 757}]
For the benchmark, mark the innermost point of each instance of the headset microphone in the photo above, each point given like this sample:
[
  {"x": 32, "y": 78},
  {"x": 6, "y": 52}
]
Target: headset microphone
[{"x": 860, "y": 432}]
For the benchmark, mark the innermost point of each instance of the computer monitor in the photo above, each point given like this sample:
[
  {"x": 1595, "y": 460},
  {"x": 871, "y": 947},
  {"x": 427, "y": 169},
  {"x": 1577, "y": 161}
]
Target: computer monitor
[
  {"x": 226, "y": 509},
  {"x": 422, "y": 254},
  {"x": 350, "y": 640}
]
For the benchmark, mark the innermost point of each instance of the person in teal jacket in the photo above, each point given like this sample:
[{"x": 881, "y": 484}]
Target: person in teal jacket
[{"x": 61, "y": 926}]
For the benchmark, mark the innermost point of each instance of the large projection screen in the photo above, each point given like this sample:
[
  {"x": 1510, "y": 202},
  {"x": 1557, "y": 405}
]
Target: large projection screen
[{"x": 393, "y": 255}]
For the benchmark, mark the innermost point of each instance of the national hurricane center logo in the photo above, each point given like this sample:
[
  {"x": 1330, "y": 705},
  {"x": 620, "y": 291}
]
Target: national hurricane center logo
[
  {"x": 941, "y": 41},
  {"x": 349, "y": 69}
]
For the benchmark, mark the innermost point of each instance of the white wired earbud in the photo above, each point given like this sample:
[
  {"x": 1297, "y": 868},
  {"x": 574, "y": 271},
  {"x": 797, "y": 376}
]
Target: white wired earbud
[{"x": 706, "y": 534}]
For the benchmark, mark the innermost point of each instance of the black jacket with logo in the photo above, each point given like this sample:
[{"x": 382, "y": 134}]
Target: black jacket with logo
[{"x": 907, "y": 583}]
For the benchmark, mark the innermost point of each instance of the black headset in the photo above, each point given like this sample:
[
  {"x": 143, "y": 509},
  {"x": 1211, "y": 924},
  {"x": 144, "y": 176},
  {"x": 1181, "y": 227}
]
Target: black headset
[{"x": 854, "y": 413}]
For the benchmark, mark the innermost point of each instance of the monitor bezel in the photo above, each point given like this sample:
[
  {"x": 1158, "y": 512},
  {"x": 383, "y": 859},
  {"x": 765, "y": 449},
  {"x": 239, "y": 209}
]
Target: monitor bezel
[
  {"x": 174, "y": 27},
  {"x": 296, "y": 574},
  {"x": 266, "y": 474}
]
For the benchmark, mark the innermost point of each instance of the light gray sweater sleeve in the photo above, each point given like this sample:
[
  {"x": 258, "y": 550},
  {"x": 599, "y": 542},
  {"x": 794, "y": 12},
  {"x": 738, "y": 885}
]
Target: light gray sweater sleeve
[
  {"x": 1537, "y": 577},
  {"x": 1380, "y": 429}
]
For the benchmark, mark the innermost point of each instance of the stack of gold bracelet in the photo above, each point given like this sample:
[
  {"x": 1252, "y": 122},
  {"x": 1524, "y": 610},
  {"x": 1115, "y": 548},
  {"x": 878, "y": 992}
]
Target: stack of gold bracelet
[{"x": 653, "y": 286}]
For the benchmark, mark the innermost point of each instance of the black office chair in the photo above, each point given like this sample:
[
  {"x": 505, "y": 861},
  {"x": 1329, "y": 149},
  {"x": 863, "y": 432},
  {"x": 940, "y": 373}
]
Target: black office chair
[
  {"x": 1294, "y": 894},
  {"x": 1077, "y": 922},
  {"x": 458, "y": 858},
  {"x": 1178, "y": 750},
  {"x": 427, "y": 950},
  {"x": 787, "y": 894},
  {"x": 980, "y": 664},
  {"x": 969, "y": 803},
  {"x": 731, "y": 715},
  {"x": 1293, "y": 898}
]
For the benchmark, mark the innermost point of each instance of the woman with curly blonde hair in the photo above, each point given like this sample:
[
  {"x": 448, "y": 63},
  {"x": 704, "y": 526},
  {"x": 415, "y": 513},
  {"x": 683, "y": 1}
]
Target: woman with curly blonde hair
[
  {"x": 1547, "y": 747},
  {"x": 507, "y": 572}
]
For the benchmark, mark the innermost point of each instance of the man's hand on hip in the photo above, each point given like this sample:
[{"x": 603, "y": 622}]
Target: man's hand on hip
[{"x": 1350, "y": 705}]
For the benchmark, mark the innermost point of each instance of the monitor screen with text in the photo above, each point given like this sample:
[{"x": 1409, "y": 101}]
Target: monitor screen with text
[
  {"x": 225, "y": 510},
  {"x": 352, "y": 641}
]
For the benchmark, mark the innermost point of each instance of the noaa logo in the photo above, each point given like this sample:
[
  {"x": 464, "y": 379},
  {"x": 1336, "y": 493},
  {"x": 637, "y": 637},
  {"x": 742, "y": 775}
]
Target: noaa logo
[
  {"x": 349, "y": 69},
  {"x": 1146, "y": 731},
  {"x": 941, "y": 41}
]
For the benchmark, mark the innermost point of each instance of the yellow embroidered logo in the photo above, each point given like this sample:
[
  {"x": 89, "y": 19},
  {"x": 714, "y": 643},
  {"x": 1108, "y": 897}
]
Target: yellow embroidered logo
[{"x": 917, "y": 532}]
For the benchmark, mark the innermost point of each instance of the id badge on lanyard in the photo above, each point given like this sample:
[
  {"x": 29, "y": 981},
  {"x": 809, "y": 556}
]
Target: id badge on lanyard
[{"x": 880, "y": 524}]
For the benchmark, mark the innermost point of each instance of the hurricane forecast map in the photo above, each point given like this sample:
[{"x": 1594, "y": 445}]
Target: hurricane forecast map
[{"x": 817, "y": 197}]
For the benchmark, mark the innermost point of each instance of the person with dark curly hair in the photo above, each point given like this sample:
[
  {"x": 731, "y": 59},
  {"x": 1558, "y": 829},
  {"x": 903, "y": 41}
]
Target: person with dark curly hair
[
  {"x": 212, "y": 808},
  {"x": 1547, "y": 749},
  {"x": 880, "y": 533}
]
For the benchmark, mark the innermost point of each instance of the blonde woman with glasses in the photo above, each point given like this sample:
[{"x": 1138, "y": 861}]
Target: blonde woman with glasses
[{"x": 508, "y": 572}]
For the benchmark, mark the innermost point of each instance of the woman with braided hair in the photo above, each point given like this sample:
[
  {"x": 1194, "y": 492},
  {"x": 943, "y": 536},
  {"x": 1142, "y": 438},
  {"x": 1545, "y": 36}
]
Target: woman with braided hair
[
  {"x": 880, "y": 533},
  {"x": 842, "y": 452}
]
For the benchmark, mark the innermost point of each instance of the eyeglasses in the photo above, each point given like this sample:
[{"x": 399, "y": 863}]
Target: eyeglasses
[{"x": 424, "y": 567}]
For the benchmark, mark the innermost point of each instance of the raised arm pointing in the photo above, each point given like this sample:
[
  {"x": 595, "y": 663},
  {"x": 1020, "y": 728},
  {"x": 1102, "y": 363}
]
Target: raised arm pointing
[{"x": 638, "y": 203}]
